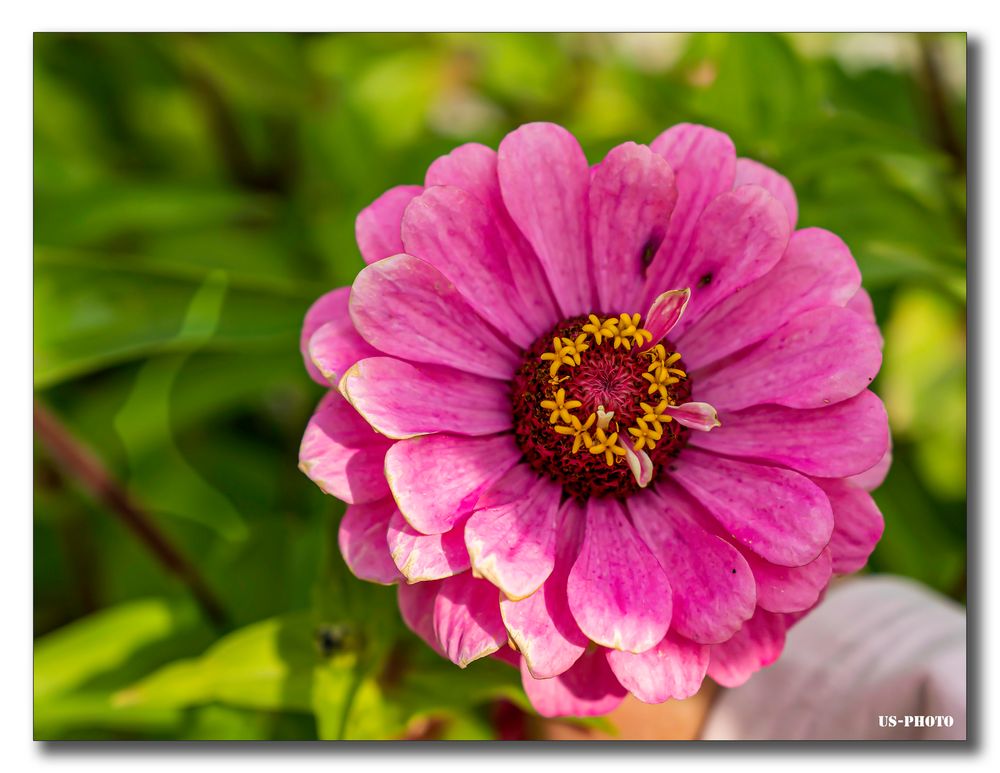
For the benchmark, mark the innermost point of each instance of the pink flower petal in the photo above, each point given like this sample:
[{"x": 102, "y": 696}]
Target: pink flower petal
[
  {"x": 342, "y": 454},
  {"x": 673, "y": 669},
  {"x": 816, "y": 270},
  {"x": 542, "y": 625},
  {"x": 873, "y": 477},
  {"x": 779, "y": 514},
  {"x": 750, "y": 172},
  {"x": 473, "y": 168},
  {"x": 407, "y": 308},
  {"x": 819, "y": 358},
  {"x": 842, "y": 439},
  {"x": 329, "y": 343},
  {"x": 335, "y": 347},
  {"x": 324, "y": 309},
  {"x": 362, "y": 541},
  {"x": 791, "y": 618},
  {"x": 544, "y": 179},
  {"x": 422, "y": 557},
  {"x": 618, "y": 593},
  {"x": 757, "y": 645},
  {"x": 394, "y": 397},
  {"x": 467, "y": 619},
  {"x": 454, "y": 232},
  {"x": 508, "y": 656},
  {"x": 632, "y": 194},
  {"x": 377, "y": 227},
  {"x": 790, "y": 588},
  {"x": 587, "y": 689},
  {"x": 436, "y": 479},
  {"x": 704, "y": 164},
  {"x": 857, "y": 525},
  {"x": 700, "y": 416},
  {"x": 740, "y": 236},
  {"x": 861, "y": 304},
  {"x": 712, "y": 584},
  {"x": 416, "y": 605},
  {"x": 508, "y": 488},
  {"x": 666, "y": 310},
  {"x": 513, "y": 545}
]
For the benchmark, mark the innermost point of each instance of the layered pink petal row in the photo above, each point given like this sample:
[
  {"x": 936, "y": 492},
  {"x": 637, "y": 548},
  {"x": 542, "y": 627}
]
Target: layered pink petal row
[{"x": 702, "y": 572}]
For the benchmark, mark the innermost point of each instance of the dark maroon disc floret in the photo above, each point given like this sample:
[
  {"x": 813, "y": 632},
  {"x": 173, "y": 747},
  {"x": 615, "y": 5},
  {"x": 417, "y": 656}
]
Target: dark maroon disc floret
[{"x": 605, "y": 376}]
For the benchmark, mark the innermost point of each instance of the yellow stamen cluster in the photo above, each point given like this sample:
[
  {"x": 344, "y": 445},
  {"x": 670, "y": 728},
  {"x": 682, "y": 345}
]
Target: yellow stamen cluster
[
  {"x": 600, "y": 330},
  {"x": 629, "y": 332},
  {"x": 565, "y": 352},
  {"x": 560, "y": 407},
  {"x": 656, "y": 415},
  {"x": 580, "y": 432},
  {"x": 624, "y": 330},
  {"x": 660, "y": 374},
  {"x": 607, "y": 445},
  {"x": 645, "y": 435}
]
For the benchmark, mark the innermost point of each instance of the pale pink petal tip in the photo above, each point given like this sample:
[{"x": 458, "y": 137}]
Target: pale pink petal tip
[
  {"x": 641, "y": 466},
  {"x": 665, "y": 312},
  {"x": 700, "y": 416}
]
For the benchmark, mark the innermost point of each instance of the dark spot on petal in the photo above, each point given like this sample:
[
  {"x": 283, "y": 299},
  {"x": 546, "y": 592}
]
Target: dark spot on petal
[
  {"x": 649, "y": 251},
  {"x": 705, "y": 280}
]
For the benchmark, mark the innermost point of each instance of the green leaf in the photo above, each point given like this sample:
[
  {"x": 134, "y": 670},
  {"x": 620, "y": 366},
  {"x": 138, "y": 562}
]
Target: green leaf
[
  {"x": 225, "y": 723},
  {"x": 80, "y": 716},
  {"x": 104, "y": 641},
  {"x": 90, "y": 314},
  {"x": 268, "y": 665},
  {"x": 752, "y": 85},
  {"x": 923, "y": 383},
  {"x": 94, "y": 215},
  {"x": 150, "y": 402},
  {"x": 917, "y": 542}
]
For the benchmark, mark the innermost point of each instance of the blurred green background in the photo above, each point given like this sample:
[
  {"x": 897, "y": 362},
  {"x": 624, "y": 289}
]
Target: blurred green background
[{"x": 195, "y": 192}]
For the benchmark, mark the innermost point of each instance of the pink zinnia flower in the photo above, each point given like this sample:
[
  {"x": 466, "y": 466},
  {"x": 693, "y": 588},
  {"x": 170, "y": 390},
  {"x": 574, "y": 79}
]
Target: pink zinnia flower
[{"x": 610, "y": 423}]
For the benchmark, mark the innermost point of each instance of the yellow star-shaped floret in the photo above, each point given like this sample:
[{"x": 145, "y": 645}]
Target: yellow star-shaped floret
[
  {"x": 607, "y": 445},
  {"x": 601, "y": 330},
  {"x": 656, "y": 415},
  {"x": 560, "y": 407},
  {"x": 580, "y": 432},
  {"x": 645, "y": 435}
]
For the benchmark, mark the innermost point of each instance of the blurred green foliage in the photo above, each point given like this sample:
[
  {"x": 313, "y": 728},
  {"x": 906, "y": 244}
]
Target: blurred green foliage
[{"x": 195, "y": 192}]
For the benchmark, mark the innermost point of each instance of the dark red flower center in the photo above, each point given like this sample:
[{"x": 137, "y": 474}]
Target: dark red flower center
[{"x": 589, "y": 398}]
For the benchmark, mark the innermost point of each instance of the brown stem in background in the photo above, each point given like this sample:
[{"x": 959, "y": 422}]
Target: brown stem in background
[
  {"x": 80, "y": 464},
  {"x": 930, "y": 67}
]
